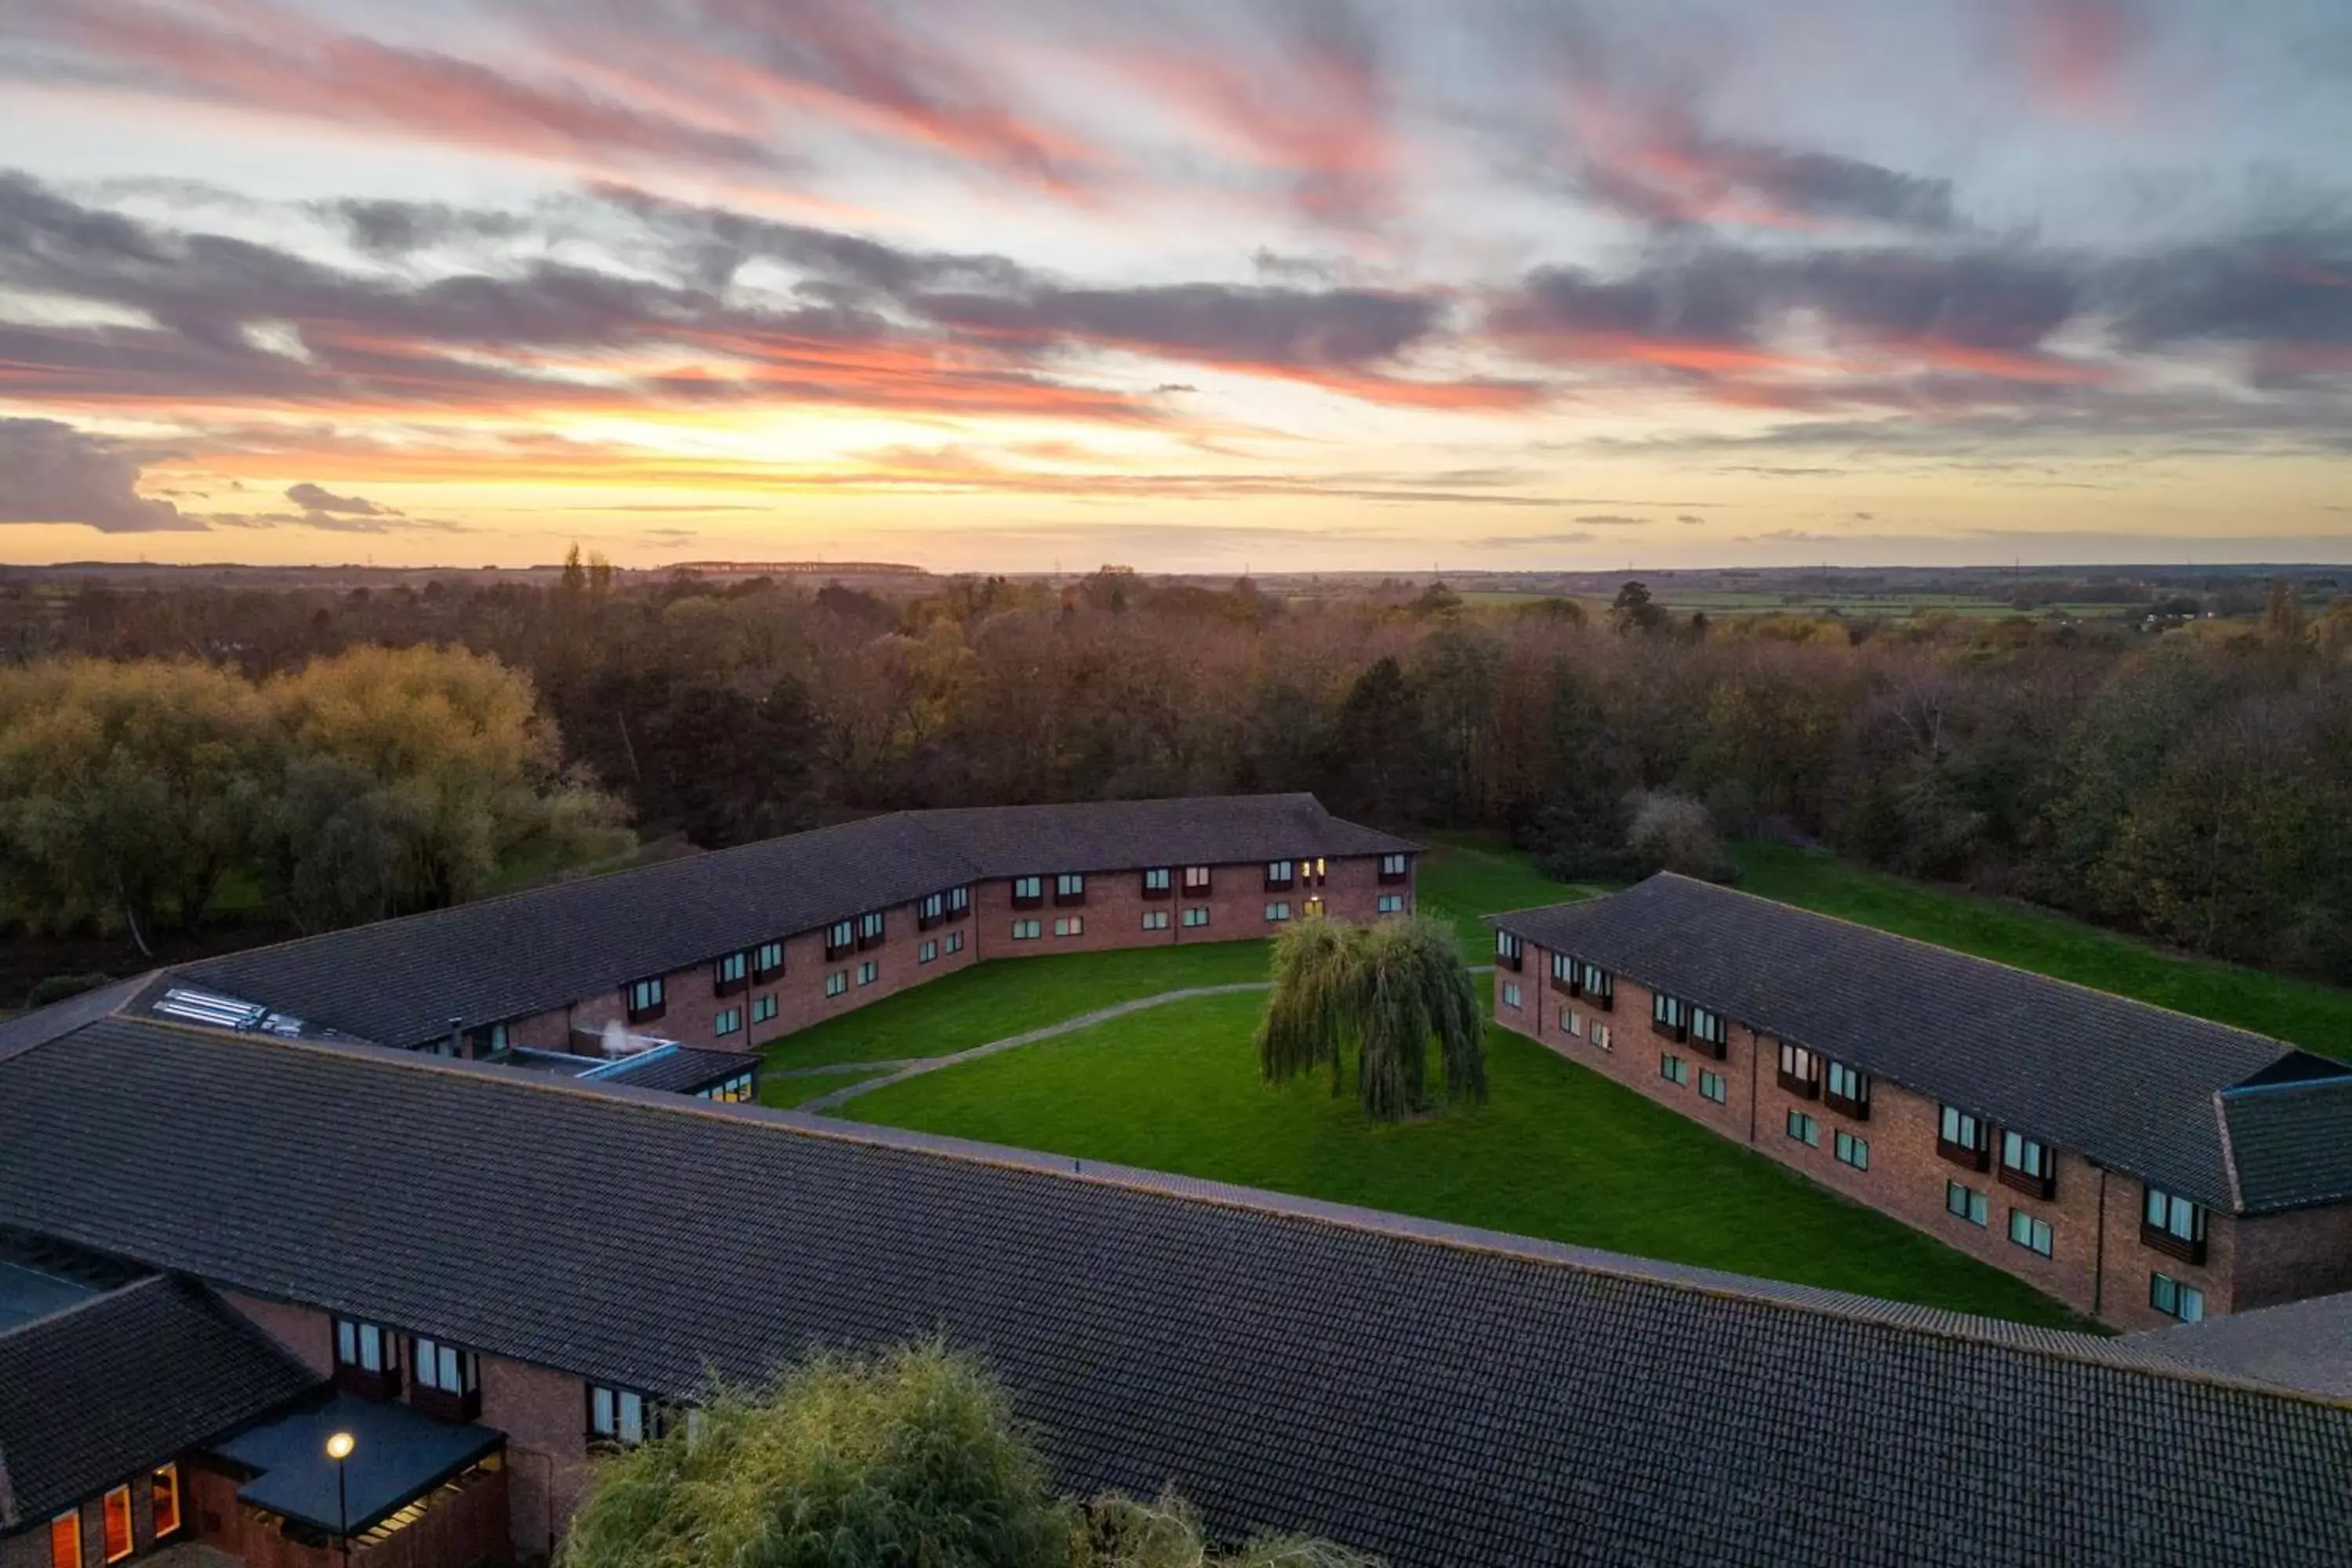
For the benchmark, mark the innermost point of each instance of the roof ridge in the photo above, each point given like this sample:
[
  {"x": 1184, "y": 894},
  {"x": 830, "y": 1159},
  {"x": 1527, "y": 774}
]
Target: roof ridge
[
  {"x": 95, "y": 1298},
  {"x": 1902, "y": 1317},
  {"x": 1970, "y": 957}
]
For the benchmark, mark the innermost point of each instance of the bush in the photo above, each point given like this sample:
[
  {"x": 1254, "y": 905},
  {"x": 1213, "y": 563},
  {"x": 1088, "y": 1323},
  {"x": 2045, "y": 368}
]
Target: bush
[
  {"x": 57, "y": 987},
  {"x": 1676, "y": 832}
]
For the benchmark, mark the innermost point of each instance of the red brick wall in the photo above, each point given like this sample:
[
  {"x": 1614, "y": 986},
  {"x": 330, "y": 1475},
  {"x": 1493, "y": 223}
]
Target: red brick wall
[
  {"x": 1115, "y": 908},
  {"x": 30, "y": 1548},
  {"x": 2097, "y": 1264},
  {"x": 544, "y": 1415},
  {"x": 306, "y": 1331}
]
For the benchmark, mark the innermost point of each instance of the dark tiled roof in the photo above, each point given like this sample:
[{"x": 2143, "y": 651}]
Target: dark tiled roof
[
  {"x": 46, "y": 1024},
  {"x": 681, "y": 1071},
  {"x": 95, "y": 1395},
  {"x": 2128, "y": 1084},
  {"x": 2290, "y": 1143},
  {"x": 400, "y": 982},
  {"x": 2303, "y": 1344},
  {"x": 1437, "y": 1395}
]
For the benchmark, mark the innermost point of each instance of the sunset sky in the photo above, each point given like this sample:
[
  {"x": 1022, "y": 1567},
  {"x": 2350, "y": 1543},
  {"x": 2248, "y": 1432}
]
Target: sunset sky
[{"x": 1189, "y": 286}]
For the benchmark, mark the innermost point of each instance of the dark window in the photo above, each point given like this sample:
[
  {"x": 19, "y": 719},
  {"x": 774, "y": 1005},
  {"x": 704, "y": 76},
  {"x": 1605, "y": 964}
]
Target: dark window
[
  {"x": 840, "y": 937},
  {"x": 2174, "y": 1299},
  {"x": 1712, "y": 1087},
  {"x": 1965, "y": 1202},
  {"x": 1853, "y": 1151},
  {"x": 2172, "y": 1224},
  {"x": 2029, "y": 1232},
  {"x": 2027, "y": 1165},
  {"x": 1280, "y": 874},
  {"x": 491, "y": 1041},
  {"x": 959, "y": 902},
  {"x": 1669, "y": 1016},
  {"x": 731, "y": 973},
  {"x": 367, "y": 1359},
  {"x": 1070, "y": 888},
  {"x": 1159, "y": 882},
  {"x": 1196, "y": 881},
  {"x": 933, "y": 910},
  {"x": 1800, "y": 1070},
  {"x": 1509, "y": 951},
  {"x": 646, "y": 1002},
  {"x": 869, "y": 930},
  {"x": 1709, "y": 1032},
  {"x": 767, "y": 961},
  {"x": 1961, "y": 1139},
  {"x": 1674, "y": 1070},
  {"x": 447, "y": 1380},
  {"x": 1563, "y": 974},
  {"x": 1394, "y": 867},
  {"x": 618, "y": 1416},
  {"x": 1596, "y": 985},
  {"x": 1804, "y": 1128},
  {"x": 1028, "y": 892},
  {"x": 1849, "y": 1091}
]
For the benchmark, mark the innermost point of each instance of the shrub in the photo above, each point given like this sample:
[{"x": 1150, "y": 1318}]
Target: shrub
[{"x": 57, "y": 987}]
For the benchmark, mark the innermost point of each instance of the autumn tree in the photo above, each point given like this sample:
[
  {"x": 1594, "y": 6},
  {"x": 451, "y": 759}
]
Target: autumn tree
[{"x": 1382, "y": 991}]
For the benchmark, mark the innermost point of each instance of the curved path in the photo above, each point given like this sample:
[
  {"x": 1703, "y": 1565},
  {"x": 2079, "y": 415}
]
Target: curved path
[{"x": 921, "y": 1065}]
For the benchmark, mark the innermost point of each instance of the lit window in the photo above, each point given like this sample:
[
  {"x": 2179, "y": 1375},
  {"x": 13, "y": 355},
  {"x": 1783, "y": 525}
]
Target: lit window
[
  {"x": 1279, "y": 913},
  {"x": 117, "y": 1510},
  {"x": 1964, "y": 1202},
  {"x": 869, "y": 973},
  {"x": 165, "y": 1493},
  {"x": 65, "y": 1541},
  {"x": 837, "y": 983},
  {"x": 444, "y": 1367},
  {"x": 2030, "y": 1233},
  {"x": 1511, "y": 995},
  {"x": 1197, "y": 915},
  {"x": 616, "y": 1415},
  {"x": 927, "y": 952},
  {"x": 1712, "y": 1087},
  {"x": 1028, "y": 931},
  {"x": 1155, "y": 919},
  {"x": 763, "y": 1008},
  {"x": 1070, "y": 925},
  {"x": 1853, "y": 1151},
  {"x": 729, "y": 1021},
  {"x": 2174, "y": 1299},
  {"x": 737, "y": 1090},
  {"x": 1674, "y": 1070},
  {"x": 1804, "y": 1129},
  {"x": 1392, "y": 904}
]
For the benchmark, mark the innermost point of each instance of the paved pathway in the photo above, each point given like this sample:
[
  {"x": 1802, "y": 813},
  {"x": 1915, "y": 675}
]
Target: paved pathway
[
  {"x": 921, "y": 1065},
  {"x": 903, "y": 1069}
]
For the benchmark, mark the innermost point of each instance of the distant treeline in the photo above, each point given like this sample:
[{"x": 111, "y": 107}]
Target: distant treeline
[{"x": 2194, "y": 784}]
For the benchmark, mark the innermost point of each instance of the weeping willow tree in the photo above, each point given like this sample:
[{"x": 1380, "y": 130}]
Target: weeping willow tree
[{"x": 1382, "y": 991}]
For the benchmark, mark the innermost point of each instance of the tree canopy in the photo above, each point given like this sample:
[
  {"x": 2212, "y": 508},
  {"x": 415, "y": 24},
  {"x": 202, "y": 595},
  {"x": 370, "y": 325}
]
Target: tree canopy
[
  {"x": 911, "y": 1458},
  {"x": 1383, "y": 992}
]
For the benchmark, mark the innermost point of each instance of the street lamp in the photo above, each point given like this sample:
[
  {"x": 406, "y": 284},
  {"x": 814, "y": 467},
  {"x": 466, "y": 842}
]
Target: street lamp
[{"x": 339, "y": 1448}]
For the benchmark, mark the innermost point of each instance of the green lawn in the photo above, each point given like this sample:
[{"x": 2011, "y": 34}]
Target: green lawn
[
  {"x": 1009, "y": 997},
  {"x": 799, "y": 1090},
  {"x": 2318, "y": 1017},
  {"x": 1467, "y": 875},
  {"x": 1557, "y": 1152}
]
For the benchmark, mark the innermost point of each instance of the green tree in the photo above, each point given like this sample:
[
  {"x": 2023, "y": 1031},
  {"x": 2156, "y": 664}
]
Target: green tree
[
  {"x": 1382, "y": 991},
  {"x": 1635, "y": 611},
  {"x": 910, "y": 1459}
]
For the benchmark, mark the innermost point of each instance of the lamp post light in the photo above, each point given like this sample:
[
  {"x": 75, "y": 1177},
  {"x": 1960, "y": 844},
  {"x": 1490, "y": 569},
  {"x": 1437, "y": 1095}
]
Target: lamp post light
[{"x": 339, "y": 1448}]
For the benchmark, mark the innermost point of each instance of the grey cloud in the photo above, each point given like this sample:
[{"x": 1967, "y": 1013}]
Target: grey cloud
[
  {"x": 1610, "y": 520},
  {"x": 1221, "y": 323},
  {"x": 313, "y": 498},
  {"x": 52, "y": 472},
  {"x": 1509, "y": 540}
]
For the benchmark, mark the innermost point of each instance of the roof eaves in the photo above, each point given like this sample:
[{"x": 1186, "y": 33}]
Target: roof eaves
[{"x": 2229, "y": 1155}]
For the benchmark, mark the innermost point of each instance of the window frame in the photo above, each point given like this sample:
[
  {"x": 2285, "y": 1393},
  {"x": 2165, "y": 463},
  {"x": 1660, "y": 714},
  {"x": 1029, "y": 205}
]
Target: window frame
[
  {"x": 1510, "y": 951},
  {"x": 2036, "y": 1227},
  {"x": 1277, "y": 913},
  {"x": 1854, "y": 1099},
  {"x": 429, "y": 1394},
  {"x": 1713, "y": 1086},
  {"x": 873, "y": 926},
  {"x": 869, "y": 969},
  {"x": 726, "y": 1021},
  {"x": 1844, "y": 1146},
  {"x": 840, "y": 939},
  {"x": 1069, "y": 889},
  {"x": 1159, "y": 882},
  {"x": 928, "y": 953},
  {"x": 2162, "y": 1235},
  {"x": 614, "y": 1435},
  {"x": 1798, "y": 1070},
  {"x": 382, "y": 1381},
  {"x": 164, "y": 1481},
  {"x": 1803, "y": 1127},
  {"x": 731, "y": 973},
  {"x": 1976, "y": 1206},
  {"x": 1028, "y": 930},
  {"x": 68, "y": 1523},
  {"x": 107, "y": 1504},
  {"x": 768, "y": 1002},
  {"x": 2182, "y": 1293},
  {"x": 1281, "y": 875},
  {"x": 762, "y": 971},
  {"x": 1199, "y": 881},
  {"x": 1389, "y": 904},
  {"x": 1191, "y": 922},
  {"x": 646, "y": 1004},
  {"x": 1512, "y": 997},
  {"x": 1669, "y": 1016},
  {"x": 2037, "y": 1175},
  {"x": 1029, "y": 892},
  {"x": 1975, "y": 1156},
  {"x": 1395, "y": 867},
  {"x": 836, "y": 983},
  {"x": 1674, "y": 1070},
  {"x": 1155, "y": 919}
]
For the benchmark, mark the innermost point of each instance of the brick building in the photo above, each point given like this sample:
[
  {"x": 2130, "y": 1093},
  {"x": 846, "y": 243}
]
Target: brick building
[{"x": 2141, "y": 1165}]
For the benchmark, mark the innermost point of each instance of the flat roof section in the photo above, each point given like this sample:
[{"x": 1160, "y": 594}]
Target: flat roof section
[
  {"x": 397, "y": 1456},
  {"x": 27, "y": 1294}
]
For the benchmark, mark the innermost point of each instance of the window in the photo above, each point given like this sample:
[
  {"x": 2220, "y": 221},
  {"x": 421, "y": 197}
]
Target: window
[
  {"x": 1849, "y": 1091},
  {"x": 1196, "y": 881},
  {"x": 1511, "y": 995},
  {"x": 731, "y": 973},
  {"x": 1028, "y": 931},
  {"x": 1198, "y": 915},
  {"x": 1601, "y": 1036},
  {"x": 729, "y": 1021},
  {"x": 2032, "y": 1234},
  {"x": 491, "y": 1042},
  {"x": 1710, "y": 1026},
  {"x": 1961, "y": 1139},
  {"x": 1028, "y": 892},
  {"x": 163, "y": 1488},
  {"x": 1853, "y": 1151},
  {"x": 1277, "y": 913},
  {"x": 1393, "y": 867},
  {"x": 1711, "y": 1086},
  {"x": 869, "y": 928},
  {"x": 1509, "y": 951},
  {"x": 1280, "y": 874},
  {"x": 1595, "y": 985},
  {"x": 1155, "y": 919},
  {"x": 1964, "y": 1202},
  {"x": 840, "y": 937},
  {"x": 1571, "y": 1022},
  {"x": 959, "y": 902},
  {"x": 763, "y": 1008},
  {"x": 869, "y": 973},
  {"x": 1674, "y": 1070},
  {"x": 767, "y": 961},
  {"x": 1159, "y": 882},
  {"x": 955, "y": 941},
  {"x": 836, "y": 983},
  {"x": 646, "y": 1000},
  {"x": 2174, "y": 1299},
  {"x": 927, "y": 953},
  {"x": 446, "y": 1368},
  {"x": 364, "y": 1346},
  {"x": 1392, "y": 904},
  {"x": 932, "y": 910},
  {"x": 1070, "y": 925},
  {"x": 1804, "y": 1129},
  {"x": 737, "y": 1090},
  {"x": 65, "y": 1541},
  {"x": 1070, "y": 888},
  {"x": 1314, "y": 908},
  {"x": 2027, "y": 1165},
  {"x": 117, "y": 1514},
  {"x": 1800, "y": 1070},
  {"x": 616, "y": 1415},
  {"x": 1670, "y": 1016},
  {"x": 2171, "y": 1224}
]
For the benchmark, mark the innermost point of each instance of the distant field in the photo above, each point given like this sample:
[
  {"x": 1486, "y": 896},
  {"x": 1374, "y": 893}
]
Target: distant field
[
  {"x": 2317, "y": 1017},
  {"x": 1557, "y": 1152}
]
